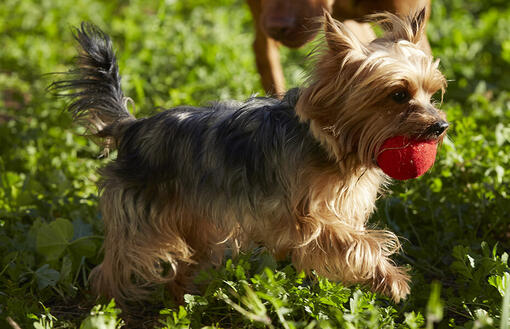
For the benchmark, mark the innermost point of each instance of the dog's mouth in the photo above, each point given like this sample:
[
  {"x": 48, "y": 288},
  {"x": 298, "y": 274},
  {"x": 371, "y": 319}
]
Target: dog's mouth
[{"x": 405, "y": 158}]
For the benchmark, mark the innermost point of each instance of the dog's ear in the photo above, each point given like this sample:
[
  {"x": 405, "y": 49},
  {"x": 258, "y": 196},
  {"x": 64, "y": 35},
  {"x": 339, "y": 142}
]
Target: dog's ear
[
  {"x": 417, "y": 22},
  {"x": 339, "y": 38},
  {"x": 410, "y": 27}
]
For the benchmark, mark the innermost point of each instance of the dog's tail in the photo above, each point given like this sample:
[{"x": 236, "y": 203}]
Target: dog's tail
[{"x": 93, "y": 86}]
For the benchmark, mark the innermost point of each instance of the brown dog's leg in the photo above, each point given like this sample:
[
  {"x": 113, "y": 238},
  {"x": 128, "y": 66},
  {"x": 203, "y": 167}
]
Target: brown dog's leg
[
  {"x": 267, "y": 55},
  {"x": 362, "y": 30}
]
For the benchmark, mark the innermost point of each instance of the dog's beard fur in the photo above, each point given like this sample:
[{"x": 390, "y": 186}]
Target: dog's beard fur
[{"x": 297, "y": 176}]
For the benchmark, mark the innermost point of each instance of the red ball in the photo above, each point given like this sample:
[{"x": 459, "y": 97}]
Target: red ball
[{"x": 402, "y": 158}]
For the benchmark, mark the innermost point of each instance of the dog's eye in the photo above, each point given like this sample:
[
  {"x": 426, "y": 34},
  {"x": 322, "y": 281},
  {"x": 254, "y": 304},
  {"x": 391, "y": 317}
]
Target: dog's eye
[{"x": 400, "y": 96}]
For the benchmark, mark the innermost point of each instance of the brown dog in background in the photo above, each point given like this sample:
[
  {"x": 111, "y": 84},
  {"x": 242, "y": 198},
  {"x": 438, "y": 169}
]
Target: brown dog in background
[{"x": 292, "y": 23}]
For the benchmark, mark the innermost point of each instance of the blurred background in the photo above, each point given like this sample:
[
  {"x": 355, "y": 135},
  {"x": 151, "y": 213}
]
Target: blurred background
[{"x": 454, "y": 221}]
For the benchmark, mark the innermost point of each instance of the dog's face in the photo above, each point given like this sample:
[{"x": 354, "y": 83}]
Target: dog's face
[
  {"x": 291, "y": 22},
  {"x": 362, "y": 95}
]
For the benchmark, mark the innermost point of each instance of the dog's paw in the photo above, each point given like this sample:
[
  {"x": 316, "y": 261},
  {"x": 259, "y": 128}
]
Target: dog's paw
[
  {"x": 399, "y": 286},
  {"x": 393, "y": 282}
]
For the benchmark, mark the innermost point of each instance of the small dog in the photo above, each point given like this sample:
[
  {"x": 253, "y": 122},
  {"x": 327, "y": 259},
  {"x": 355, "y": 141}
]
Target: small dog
[
  {"x": 292, "y": 23},
  {"x": 296, "y": 175}
]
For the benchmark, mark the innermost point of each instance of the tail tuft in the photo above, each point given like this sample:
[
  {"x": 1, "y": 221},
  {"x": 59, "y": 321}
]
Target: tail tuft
[{"x": 93, "y": 85}]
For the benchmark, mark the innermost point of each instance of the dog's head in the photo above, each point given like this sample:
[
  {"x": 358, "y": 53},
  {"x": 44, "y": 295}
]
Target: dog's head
[
  {"x": 362, "y": 94},
  {"x": 291, "y": 22}
]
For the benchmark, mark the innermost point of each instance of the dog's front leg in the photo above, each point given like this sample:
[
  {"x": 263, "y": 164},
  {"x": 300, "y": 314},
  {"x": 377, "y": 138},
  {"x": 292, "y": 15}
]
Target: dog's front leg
[{"x": 340, "y": 253}]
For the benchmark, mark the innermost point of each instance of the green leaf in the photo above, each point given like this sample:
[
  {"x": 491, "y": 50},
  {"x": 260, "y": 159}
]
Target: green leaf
[
  {"x": 53, "y": 238},
  {"x": 83, "y": 247},
  {"x": 81, "y": 229},
  {"x": 413, "y": 320},
  {"x": 103, "y": 317},
  {"x": 66, "y": 269},
  {"x": 435, "y": 307},
  {"x": 46, "y": 276},
  {"x": 505, "y": 309}
]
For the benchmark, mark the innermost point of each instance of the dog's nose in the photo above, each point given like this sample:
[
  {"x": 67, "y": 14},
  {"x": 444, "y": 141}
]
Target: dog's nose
[
  {"x": 438, "y": 128},
  {"x": 279, "y": 32},
  {"x": 279, "y": 28}
]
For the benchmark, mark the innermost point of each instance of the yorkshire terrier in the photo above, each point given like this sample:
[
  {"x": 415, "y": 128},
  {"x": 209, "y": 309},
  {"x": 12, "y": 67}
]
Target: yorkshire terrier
[{"x": 297, "y": 175}]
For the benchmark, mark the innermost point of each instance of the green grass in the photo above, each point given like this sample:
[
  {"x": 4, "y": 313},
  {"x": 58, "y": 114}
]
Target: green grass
[{"x": 454, "y": 221}]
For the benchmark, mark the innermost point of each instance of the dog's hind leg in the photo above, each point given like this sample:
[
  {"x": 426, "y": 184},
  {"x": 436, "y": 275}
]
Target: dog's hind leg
[
  {"x": 149, "y": 243},
  {"x": 143, "y": 246},
  {"x": 208, "y": 241}
]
